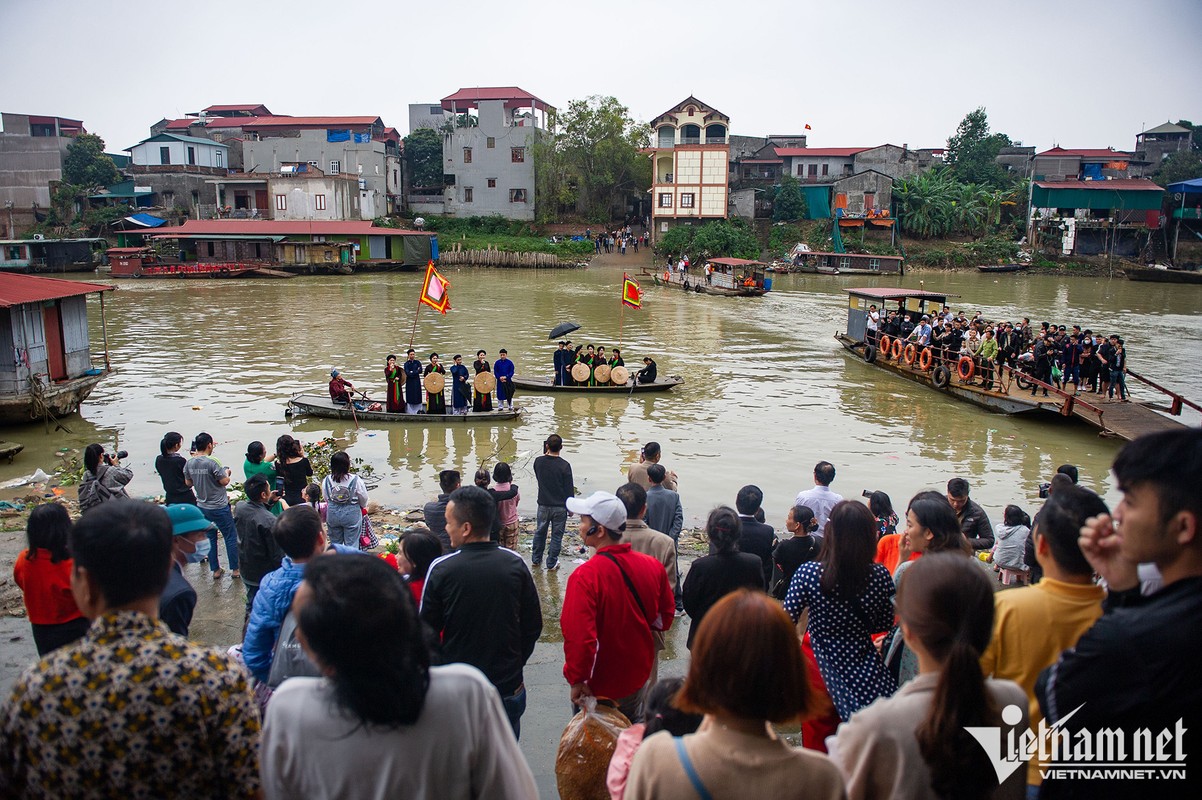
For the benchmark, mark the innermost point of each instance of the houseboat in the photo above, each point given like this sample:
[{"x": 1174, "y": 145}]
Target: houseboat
[
  {"x": 826, "y": 263},
  {"x": 730, "y": 277},
  {"x": 1162, "y": 274},
  {"x": 964, "y": 378},
  {"x": 50, "y": 255},
  {"x": 44, "y": 325},
  {"x": 144, "y": 262}
]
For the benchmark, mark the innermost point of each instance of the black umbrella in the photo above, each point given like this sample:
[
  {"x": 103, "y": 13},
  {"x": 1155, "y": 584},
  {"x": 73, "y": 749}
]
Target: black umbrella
[{"x": 563, "y": 329}]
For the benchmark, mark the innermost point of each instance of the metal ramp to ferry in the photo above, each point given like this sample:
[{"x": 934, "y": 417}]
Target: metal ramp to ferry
[{"x": 1124, "y": 420}]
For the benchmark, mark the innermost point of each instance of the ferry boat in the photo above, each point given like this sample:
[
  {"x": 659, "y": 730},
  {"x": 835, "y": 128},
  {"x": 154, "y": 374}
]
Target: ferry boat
[
  {"x": 729, "y": 277},
  {"x": 962, "y": 378}
]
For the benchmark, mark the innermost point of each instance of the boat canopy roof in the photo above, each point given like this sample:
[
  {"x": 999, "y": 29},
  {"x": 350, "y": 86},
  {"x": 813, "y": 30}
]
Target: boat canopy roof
[
  {"x": 736, "y": 262},
  {"x": 881, "y": 293}
]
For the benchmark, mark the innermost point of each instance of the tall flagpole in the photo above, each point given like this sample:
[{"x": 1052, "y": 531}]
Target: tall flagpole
[{"x": 413, "y": 333}]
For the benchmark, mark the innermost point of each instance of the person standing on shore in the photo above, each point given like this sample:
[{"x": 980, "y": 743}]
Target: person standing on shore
[
  {"x": 481, "y": 601},
  {"x": 170, "y": 466},
  {"x": 820, "y": 499},
  {"x": 43, "y": 573},
  {"x": 205, "y": 475},
  {"x": 555, "y": 486},
  {"x": 650, "y": 454},
  {"x": 612, "y": 605},
  {"x": 666, "y": 514}
]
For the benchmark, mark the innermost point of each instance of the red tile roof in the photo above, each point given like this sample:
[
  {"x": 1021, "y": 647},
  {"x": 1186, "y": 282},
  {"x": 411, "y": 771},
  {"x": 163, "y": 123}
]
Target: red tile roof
[
  {"x": 18, "y": 289},
  {"x": 63, "y": 122},
  {"x": 236, "y": 107},
  {"x": 1127, "y": 184},
  {"x": 1108, "y": 153},
  {"x": 514, "y": 96},
  {"x": 307, "y": 122},
  {"x": 259, "y": 227},
  {"x": 820, "y": 152}
]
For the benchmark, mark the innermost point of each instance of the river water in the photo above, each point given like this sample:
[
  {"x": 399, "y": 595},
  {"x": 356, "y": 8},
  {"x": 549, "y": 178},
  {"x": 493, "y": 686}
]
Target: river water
[{"x": 768, "y": 390}]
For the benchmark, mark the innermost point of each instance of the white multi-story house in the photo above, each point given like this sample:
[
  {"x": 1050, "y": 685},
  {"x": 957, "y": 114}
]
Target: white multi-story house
[
  {"x": 691, "y": 158},
  {"x": 488, "y": 160}
]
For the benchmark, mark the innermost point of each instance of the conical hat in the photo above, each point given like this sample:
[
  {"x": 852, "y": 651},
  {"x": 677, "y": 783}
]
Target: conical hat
[
  {"x": 580, "y": 372},
  {"x": 484, "y": 382},
  {"x": 619, "y": 375},
  {"x": 434, "y": 382},
  {"x": 602, "y": 373}
]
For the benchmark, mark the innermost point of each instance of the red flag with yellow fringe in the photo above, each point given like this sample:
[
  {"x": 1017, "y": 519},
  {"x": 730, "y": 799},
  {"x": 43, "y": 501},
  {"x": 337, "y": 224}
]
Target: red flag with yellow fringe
[
  {"x": 436, "y": 290},
  {"x": 631, "y": 294}
]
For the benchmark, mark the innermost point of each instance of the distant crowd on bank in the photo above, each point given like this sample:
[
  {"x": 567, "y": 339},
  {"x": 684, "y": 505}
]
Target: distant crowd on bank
[{"x": 359, "y": 676}]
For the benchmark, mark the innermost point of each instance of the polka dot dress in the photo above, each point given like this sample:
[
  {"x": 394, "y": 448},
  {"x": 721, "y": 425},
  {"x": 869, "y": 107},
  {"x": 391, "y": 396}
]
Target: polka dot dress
[{"x": 840, "y": 632}]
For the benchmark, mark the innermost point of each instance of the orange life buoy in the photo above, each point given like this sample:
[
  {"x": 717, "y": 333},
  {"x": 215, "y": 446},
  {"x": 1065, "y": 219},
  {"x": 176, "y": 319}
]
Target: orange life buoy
[
  {"x": 885, "y": 342},
  {"x": 965, "y": 368},
  {"x": 911, "y": 354},
  {"x": 896, "y": 350},
  {"x": 924, "y": 361}
]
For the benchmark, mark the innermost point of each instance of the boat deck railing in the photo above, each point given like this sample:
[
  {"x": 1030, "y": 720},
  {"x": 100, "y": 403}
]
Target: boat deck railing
[
  {"x": 1178, "y": 401},
  {"x": 1071, "y": 401}
]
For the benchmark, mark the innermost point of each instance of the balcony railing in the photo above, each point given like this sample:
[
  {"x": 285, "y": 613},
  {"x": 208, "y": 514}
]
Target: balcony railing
[
  {"x": 690, "y": 140},
  {"x": 715, "y": 140}
]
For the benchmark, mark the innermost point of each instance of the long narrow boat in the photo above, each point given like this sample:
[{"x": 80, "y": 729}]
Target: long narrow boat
[
  {"x": 544, "y": 385},
  {"x": 1162, "y": 274},
  {"x": 730, "y": 277},
  {"x": 315, "y": 405},
  {"x": 1001, "y": 267}
]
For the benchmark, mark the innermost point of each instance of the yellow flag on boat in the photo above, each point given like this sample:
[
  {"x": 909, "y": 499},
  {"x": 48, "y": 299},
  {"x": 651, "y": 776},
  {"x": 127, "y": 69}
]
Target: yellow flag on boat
[
  {"x": 631, "y": 294},
  {"x": 436, "y": 290}
]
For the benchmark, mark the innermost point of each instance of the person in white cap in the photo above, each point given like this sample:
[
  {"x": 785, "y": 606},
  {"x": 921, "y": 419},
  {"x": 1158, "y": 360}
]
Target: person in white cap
[{"x": 612, "y": 604}]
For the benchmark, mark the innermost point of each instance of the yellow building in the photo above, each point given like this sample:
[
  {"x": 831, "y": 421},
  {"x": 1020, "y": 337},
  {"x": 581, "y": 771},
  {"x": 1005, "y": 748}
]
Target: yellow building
[{"x": 691, "y": 158}]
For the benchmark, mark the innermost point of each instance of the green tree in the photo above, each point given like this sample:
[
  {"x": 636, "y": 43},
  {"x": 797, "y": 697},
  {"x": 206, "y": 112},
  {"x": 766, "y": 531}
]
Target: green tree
[
  {"x": 597, "y": 156},
  {"x": 790, "y": 204},
  {"x": 86, "y": 164},
  {"x": 972, "y": 150},
  {"x": 725, "y": 238},
  {"x": 1196, "y": 140},
  {"x": 423, "y": 152},
  {"x": 1183, "y": 166},
  {"x": 926, "y": 203}
]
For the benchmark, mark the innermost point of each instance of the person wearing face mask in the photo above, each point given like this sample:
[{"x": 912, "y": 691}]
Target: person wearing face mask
[{"x": 189, "y": 545}]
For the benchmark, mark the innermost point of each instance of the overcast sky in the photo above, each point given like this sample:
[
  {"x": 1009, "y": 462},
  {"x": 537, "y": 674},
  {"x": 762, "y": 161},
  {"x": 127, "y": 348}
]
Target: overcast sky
[{"x": 1083, "y": 74}]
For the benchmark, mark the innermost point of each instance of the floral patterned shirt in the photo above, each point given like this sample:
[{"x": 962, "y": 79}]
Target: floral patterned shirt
[{"x": 131, "y": 711}]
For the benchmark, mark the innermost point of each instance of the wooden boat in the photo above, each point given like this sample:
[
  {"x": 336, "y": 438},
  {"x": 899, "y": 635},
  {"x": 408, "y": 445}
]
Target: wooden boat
[
  {"x": 731, "y": 277},
  {"x": 1002, "y": 267},
  {"x": 1162, "y": 274},
  {"x": 315, "y": 405},
  {"x": 826, "y": 263},
  {"x": 142, "y": 262},
  {"x": 661, "y": 384},
  {"x": 9, "y": 450},
  {"x": 1009, "y": 394}
]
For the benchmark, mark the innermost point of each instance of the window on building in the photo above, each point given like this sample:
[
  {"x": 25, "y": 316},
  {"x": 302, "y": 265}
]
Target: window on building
[
  {"x": 196, "y": 198},
  {"x": 686, "y": 200},
  {"x": 436, "y": 111},
  {"x": 15, "y": 252},
  {"x": 874, "y": 263},
  {"x": 517, "y": 195},
  {"x": 281, "y": 202},
  {"x": 319, "y": 202},
  {"x": 517, "y": 154},
  {"x": 467, "y": 194},
  {"x": 746, "y": 172},
  {"x": 846, "y": 170},
  {"x": 813, "y": 170},
  {"x": 258, "y": 250},
  {"x": 800, "y": 170},
  {"x": 212, "y": 249},
  {"x": 825, "y": 169},
  {"x": 219, "y": 158},
  {"x": 164, "y": 155},
  {"x": 467, "y": 155},
  {"x": 490, "y": 142},
  {"x": 168, "y": 198},
  {"x": 191, "y": 155},
  {"x": 665, "y": 199},
  {"x": 335, "y": 167},
  {"x": 845, "y": 263},
  {"x": 448, "y": 180},
  {"x": 492, "y": 183},
  {"x": 314, "y": 163}
]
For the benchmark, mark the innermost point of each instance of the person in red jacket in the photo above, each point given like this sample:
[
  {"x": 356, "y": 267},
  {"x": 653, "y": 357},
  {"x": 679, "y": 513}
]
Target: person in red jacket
[
  {"x": 612, "y": 604},
  {"x": 44, "y": 574}
]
